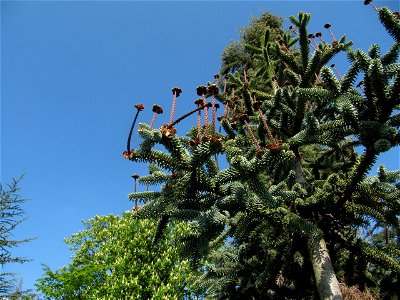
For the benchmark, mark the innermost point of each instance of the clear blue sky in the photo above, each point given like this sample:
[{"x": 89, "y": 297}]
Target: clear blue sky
[{"x": 71, "y": 73}]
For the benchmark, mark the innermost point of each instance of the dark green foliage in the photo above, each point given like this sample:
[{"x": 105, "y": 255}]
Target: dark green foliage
[
  {"x": 391, "y": 22},
  {"x": 301, "y": 24}
]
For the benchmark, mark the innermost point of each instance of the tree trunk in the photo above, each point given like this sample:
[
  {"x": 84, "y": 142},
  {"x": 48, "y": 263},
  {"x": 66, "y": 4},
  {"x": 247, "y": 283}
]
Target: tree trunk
[
  {"x": 327, "y": 283},
  {"x": 300, "y": 176}
]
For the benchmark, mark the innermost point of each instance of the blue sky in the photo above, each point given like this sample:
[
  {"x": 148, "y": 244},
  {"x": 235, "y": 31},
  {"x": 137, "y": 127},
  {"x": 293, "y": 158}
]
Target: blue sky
[{"x": 71, "y": 72}]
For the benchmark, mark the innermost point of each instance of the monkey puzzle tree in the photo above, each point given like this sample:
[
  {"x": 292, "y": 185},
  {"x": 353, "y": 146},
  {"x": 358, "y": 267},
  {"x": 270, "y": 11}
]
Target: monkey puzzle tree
[{"x": 295, "y": 196}]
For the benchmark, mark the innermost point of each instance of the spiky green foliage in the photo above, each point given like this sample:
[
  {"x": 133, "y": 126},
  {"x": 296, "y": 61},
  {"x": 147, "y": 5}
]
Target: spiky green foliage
[{"x": 293, "y": 174}]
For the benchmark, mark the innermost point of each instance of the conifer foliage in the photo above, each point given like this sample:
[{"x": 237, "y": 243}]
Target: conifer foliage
[
  {"x": 294, "y": 211},
  {"x": 11, "y": 215}
]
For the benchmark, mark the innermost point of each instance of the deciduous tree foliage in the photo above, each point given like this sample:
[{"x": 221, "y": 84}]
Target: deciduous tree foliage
[
  {"x": 290, "y": 215},
  {"x": 116, "y": 258}
]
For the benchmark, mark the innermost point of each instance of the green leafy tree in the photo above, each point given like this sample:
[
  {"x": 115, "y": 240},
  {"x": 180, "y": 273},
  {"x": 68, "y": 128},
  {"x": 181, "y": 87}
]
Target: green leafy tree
[
  {"x": 11, "y": 215},
  {"x": 238, "y": 56},
  {"x": 116, "y": 258},
  {"x": 287, "y": 217}
]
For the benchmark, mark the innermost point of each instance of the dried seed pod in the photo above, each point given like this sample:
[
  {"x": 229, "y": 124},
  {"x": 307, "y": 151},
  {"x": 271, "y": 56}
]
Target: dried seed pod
[
  {"x": 215, "y": 142},
  {"x": 369, "y": 2},
  {"x": 260, "y": 153},
  {"x": 201, "y": 90},
  {"x": 244, "y": 118},
  {"x": 193, "y": 143},
  {"x": 275, "y": 147},
  {"x": 139, "y": 106},
  {"x": 132, "y": 154},
  {"x": 257, "y": 104},
  {"x": 206, "y": 138},
  {"x": 176, "y": 91},
  {"x": 125, "y": 154},
  {"x": 319, "y": 35},
  {"x": 157, "y": 109},
  {"x": 213, "y": 89},
  {"x": 199, "y": 101},
  {"x": 168, "y": 131},
  {"x": 327, "y": 26},
  {"x": 312, "y": 37},
  {"x": 129, "y": 154}
]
